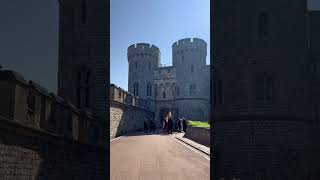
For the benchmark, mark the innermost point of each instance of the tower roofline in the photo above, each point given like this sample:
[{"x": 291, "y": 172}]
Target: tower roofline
[
  {"x": 189, "y": 41},
  {"x": 143, "y": 46}
]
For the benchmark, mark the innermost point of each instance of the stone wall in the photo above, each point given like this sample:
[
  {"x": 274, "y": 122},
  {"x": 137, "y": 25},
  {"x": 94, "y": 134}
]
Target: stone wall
[
  {"x": 127, "y": 112},
  {"x": 272, "y": 149},
  {"x": 199, "y": 135},
  {"x": 43, "y": 136},
  {"x": 27, "y": 153}
]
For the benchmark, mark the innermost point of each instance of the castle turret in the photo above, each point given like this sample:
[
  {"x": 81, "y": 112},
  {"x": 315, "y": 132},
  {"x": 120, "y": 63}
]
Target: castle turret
[
  {"x": 260, "y": 89},
  {"x": 189, "y": 58},
  {"x": 143, "y": 60},
  {"x": 82, "y": 68}
]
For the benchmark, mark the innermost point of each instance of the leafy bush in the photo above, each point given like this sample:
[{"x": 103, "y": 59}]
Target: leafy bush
[{"x": 198, "y": 124}]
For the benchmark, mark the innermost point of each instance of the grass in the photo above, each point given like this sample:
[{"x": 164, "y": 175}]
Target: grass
[{"x": 198, "y": 124}]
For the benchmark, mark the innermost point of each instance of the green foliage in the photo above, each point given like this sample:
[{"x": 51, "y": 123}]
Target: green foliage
[{"x": 198, "y": 124}]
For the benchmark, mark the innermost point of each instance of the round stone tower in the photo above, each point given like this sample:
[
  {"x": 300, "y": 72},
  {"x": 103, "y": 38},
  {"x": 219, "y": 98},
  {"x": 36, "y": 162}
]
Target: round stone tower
[
  {"x": 260, "y": 113},
  {"x": 143, "y": 59},
  {"x": 189, "y": 59}
]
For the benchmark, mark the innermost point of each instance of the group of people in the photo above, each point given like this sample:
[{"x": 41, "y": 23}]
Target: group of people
[
  {"x": 169, "y": 125},
  {"x": 152, "y": 125},
  {"x": 181, "y": 125}
]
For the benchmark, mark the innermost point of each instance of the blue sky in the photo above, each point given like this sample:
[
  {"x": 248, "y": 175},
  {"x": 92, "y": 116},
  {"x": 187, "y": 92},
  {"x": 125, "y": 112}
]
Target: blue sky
[
  {"x": 29, "y": 39},
  {"x": 158, "y": 22}
]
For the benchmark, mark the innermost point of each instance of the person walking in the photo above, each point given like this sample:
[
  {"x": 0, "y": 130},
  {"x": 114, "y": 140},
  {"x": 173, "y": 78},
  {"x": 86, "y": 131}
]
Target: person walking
[
  {"x": 165, "y": 125},
  {"x": 175, "y": 122},
  {"x": 170, "y": 123},
  {"x": 145, "y": 126},
  {"x": 178, "y": 124},
  {"x": 150, "y": 125},
  {"x": 184, "y": 123},
  {"x": 154, "y": 125}
]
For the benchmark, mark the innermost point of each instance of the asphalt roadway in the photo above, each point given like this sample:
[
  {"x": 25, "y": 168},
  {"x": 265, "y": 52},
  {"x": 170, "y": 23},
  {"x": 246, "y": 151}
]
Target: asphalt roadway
[{"x": 155, "y": 157}]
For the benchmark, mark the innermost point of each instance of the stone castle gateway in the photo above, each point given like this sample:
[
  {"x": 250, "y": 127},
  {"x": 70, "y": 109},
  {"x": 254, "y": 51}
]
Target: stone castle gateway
[{"x": 182, "y": 88}]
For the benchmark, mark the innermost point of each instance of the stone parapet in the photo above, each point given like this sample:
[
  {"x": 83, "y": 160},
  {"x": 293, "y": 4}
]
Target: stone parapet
[
  {"x": 30, "y": 105},
  {"x": 199, "y": 135}
]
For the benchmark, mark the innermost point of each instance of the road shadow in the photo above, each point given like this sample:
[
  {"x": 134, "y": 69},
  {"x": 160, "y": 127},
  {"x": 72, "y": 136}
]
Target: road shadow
[{"x": 142, "y": 133}]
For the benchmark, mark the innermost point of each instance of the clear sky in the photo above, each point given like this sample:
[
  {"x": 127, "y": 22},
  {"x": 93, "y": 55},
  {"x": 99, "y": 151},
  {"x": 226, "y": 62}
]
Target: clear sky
[
  {"x": 29, "y": 39},
  {"x": 159, "y": 22},
  {"x": 29, "y": 33}
]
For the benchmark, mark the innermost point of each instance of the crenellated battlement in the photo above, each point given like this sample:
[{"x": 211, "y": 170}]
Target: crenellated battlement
[
  {"x": 190, "y": 42},
  {"x": 29, "y": 104},
  {"x": 189, "y": 45},
  {"x": 143, "y": 47},
  {"x": 143, "y": 50},
  {"x": 122, "y": 96}
]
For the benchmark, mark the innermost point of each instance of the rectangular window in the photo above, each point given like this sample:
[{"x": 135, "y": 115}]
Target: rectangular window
[
  {"x": 79, "y": 89},
  {"x": 43, "y": 109},
  {"x": 84, "y": 11},
  {"x": 87, "y": 96},
  {"x": 264, "y": 87},
  {"x": 269, "y": 88},
  {"x": 53, "y": 114},
  {"x": 316, "y": 116},
  {"x": 259, "y": 87},
  {"x": 220, "y": 98},
  {"x": 69, "y": 120},
  {"x": 263, "y": 25},
  {"x": 31, "y": 101},
  {"x": 214, "y": 93}
]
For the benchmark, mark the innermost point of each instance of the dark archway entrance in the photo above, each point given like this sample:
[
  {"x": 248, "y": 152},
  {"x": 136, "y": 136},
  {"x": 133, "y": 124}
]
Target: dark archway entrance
[{"x": 163, "y": 113}]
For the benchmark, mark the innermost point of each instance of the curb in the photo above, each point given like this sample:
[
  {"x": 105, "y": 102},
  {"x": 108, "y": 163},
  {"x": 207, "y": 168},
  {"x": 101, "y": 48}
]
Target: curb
[
  {"x": 208, "y": 154},
  {"x": 115, "y": 138}
]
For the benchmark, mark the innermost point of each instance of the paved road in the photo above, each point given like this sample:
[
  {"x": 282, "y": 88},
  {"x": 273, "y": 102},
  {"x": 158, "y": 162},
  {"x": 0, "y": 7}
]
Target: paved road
[{"x": 155, "y": 157}]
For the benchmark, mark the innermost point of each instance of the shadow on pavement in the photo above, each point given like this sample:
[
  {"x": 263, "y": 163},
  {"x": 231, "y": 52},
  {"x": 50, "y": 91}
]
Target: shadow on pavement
[{"x": 142, "y": 133}]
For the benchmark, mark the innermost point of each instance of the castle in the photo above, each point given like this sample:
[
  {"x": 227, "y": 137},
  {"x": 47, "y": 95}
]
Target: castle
[
  {"x": 266, "y": 90},
  {"x": 182, "y": 88}
]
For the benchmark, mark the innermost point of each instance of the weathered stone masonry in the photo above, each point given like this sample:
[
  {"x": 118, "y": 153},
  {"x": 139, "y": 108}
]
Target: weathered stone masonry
[
  {"x": 182, "y": 88},
  {"x": 127, "y": 112},
  {"x": 42, "y": 136}
]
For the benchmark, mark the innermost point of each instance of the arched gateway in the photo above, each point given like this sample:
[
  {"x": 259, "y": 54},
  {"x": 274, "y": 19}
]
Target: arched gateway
[{"x": 163, "y": 113}]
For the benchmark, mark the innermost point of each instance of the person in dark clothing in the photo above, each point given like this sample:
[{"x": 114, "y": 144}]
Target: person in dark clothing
[
  {"x": 184, "y": 123},
  {"x": 179, "y": 125},
  {"x": 150, "y": 125},
  {"x": 145, "y": 126},
  {"x": 165, "y": 125},
  {"x": 170, "y": 123},
  {"x": 169, "y": 126},
  {"x": 154, "y": 125}
]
